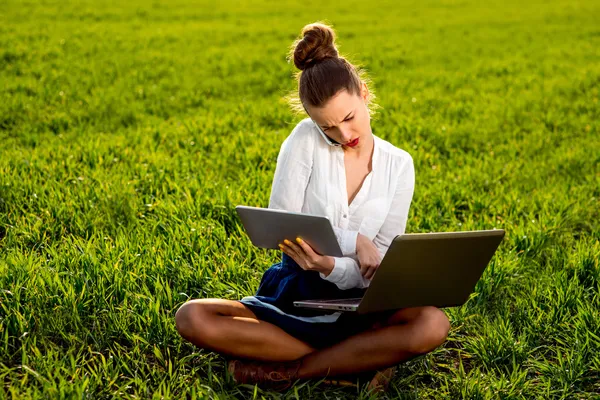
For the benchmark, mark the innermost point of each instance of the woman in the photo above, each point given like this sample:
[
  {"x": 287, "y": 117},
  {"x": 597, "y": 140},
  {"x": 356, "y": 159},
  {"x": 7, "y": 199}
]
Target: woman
[{"x": 331, "y": 164}]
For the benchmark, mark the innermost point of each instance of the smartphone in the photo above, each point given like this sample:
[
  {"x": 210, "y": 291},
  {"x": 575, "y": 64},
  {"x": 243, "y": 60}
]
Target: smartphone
[{"x": 329, "y": 140}]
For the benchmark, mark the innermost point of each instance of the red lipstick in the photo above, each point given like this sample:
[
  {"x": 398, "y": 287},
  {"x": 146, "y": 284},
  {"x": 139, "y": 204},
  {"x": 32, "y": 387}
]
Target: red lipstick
[{"x": 352, "y": 143}]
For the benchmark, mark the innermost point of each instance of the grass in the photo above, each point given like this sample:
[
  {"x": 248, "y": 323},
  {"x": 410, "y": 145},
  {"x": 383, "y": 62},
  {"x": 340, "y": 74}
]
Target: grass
[{"x": 130, "y": 130}]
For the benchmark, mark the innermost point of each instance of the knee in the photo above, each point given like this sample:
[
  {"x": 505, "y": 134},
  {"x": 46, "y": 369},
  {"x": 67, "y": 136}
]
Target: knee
[
  {"x": 434, "y": 325},
  {"x": 192, "y": 322}
]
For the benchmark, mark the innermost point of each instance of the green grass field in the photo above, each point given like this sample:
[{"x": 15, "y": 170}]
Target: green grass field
[{"x": 129, "y": 132}]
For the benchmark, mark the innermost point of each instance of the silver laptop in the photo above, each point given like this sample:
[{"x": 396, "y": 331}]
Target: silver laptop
[
  {"x": 268, "y": 227},
  {"x": 423, "y": 269}
]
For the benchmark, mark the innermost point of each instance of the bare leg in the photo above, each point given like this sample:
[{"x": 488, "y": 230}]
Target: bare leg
[
  {"x": 410, "y": 332},
  {"x": 229, "y": 327}
]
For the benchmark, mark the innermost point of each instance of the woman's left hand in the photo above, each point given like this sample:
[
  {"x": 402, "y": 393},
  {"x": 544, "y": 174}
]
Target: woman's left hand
[{"x": 306, "y": 257}]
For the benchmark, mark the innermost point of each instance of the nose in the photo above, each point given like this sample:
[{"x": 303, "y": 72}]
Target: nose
[{"x": 345, "y": 134}]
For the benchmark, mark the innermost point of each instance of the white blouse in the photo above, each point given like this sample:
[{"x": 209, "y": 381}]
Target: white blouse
[{"x": 310, "y": 177}]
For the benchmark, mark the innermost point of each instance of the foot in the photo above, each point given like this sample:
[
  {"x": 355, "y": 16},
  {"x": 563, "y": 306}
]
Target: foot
[
  {"x": 276, "y": 376},
  {"x": 379, "y": 382}
]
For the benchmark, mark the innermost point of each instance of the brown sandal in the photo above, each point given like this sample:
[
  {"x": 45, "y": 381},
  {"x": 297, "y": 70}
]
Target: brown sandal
[
  {"x": 281, "y": 376},
  {"x": 268, "y": 375},
  {"x": 379, "y": 383}
]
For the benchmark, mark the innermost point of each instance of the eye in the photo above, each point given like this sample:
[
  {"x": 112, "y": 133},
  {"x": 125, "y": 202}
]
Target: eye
[{"x": 347, "y": 119}]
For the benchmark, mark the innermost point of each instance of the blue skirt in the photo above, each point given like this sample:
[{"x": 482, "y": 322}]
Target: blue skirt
[{"x": 285, "y": 282}]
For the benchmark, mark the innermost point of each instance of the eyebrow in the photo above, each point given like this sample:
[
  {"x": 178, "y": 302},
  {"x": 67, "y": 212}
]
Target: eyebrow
[{"x": 327, "y": 126}]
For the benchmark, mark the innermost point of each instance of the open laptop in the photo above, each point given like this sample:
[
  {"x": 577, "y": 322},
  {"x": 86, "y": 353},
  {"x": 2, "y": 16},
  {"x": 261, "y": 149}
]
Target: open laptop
[{"x": 423, "y": 269}]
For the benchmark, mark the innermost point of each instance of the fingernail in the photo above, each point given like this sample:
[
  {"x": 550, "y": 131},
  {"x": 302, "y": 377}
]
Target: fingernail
[
  {"x": 280, "y": 246},
  {"x": 299, "y": 240},
  {"x": 287, "y": 241}
]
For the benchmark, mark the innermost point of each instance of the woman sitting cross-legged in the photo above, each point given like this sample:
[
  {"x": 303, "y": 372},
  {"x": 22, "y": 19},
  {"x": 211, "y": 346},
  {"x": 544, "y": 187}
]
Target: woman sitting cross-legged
[{"x": 331, "y": 164}]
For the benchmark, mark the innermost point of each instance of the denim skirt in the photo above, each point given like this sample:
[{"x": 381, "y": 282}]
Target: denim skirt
[{"x": 285, "y": 282}]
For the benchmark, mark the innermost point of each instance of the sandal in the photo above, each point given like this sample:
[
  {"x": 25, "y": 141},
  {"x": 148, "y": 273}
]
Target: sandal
[
  {"x": 277, "y": 376},
  {"x": 379, "y": 382},
  {"x": 282, "y": 375}
]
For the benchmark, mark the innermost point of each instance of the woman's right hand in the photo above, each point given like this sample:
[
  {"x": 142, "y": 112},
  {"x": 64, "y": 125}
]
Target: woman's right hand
[{"x": 368, "y": 256}]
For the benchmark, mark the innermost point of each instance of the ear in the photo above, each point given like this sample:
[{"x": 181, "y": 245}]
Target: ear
[{"x": 364, "y": 91}]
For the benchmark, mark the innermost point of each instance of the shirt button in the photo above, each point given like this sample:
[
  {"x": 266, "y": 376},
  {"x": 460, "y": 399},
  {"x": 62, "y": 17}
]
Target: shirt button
[{"x": 344, "y": 215}]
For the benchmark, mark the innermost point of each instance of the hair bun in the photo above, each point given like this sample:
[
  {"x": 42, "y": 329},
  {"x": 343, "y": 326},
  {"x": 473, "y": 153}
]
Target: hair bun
[{"x": 316, "y": 45}]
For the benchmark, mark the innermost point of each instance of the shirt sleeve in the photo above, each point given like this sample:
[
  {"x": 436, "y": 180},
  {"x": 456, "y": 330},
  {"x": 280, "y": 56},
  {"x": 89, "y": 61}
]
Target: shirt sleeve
[
  {"x": 293, "y": 169},
  {"x": 346, "y": 274},
  {"x": 395, "y": 222},
  {"x": 346, "y": 270}
]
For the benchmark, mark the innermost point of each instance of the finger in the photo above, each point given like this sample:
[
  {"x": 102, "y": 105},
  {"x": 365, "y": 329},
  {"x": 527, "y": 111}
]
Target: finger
[
  {"x": 288, "y": 250},
  {"x": 295, "y": 247},
  {"x": 375, "y": 268},
  {"x": 282, "y": 248},
  {"x": 306, "y": 248},
  {"x": 370, "y": 273},
  {"x": 298, "y": 258},
  {"x": 363, "y": 269}
]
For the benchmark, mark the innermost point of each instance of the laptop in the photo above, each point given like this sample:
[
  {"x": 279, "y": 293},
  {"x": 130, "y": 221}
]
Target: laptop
[
  {"x": 267, "y": 227},
  {"x": 423, "y": 269}
]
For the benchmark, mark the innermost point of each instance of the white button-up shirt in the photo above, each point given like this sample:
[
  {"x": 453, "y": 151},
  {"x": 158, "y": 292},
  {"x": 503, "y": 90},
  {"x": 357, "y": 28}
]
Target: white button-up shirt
[{"x": 310, "y": 177}]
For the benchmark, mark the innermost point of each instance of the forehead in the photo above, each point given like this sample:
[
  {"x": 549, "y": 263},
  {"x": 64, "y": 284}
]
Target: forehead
[{"x": 335, "y": 110}]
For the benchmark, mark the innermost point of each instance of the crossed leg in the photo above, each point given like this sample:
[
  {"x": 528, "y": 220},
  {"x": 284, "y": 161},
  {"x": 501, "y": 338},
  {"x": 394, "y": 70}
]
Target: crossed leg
[
  {"x": 229, "y": 327},
  {"x": 405, "y": 334}
]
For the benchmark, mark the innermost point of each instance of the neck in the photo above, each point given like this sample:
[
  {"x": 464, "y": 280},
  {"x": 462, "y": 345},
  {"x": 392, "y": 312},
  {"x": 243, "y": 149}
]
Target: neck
[{"x": 365, "y": 148}]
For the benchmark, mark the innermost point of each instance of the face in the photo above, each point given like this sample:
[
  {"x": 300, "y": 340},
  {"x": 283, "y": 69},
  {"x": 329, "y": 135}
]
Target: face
[{"x": 345, "y": 118}]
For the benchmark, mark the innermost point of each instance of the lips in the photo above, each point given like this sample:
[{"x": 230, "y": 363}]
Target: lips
[{"x": 352, "y": 143}]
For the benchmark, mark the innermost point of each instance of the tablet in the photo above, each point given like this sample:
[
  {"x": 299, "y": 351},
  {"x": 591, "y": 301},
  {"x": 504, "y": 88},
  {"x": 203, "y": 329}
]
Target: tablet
[{"x": 268, "y": 227}]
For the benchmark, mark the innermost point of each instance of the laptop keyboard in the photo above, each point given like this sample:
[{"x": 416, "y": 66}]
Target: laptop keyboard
[{"x": 342, "y": 301}]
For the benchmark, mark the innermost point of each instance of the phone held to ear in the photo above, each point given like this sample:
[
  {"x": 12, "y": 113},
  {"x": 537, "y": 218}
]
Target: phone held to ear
[{"x": 329, "y": 140}]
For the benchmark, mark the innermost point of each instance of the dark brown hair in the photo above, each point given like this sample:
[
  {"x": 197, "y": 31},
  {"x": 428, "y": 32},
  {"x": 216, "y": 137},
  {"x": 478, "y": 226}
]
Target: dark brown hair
[{"x": 323, "y": 72}]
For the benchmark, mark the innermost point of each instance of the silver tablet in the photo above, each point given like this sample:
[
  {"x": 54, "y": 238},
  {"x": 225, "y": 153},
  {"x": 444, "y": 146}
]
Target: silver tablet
[{"x": 268, "y": 227}]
